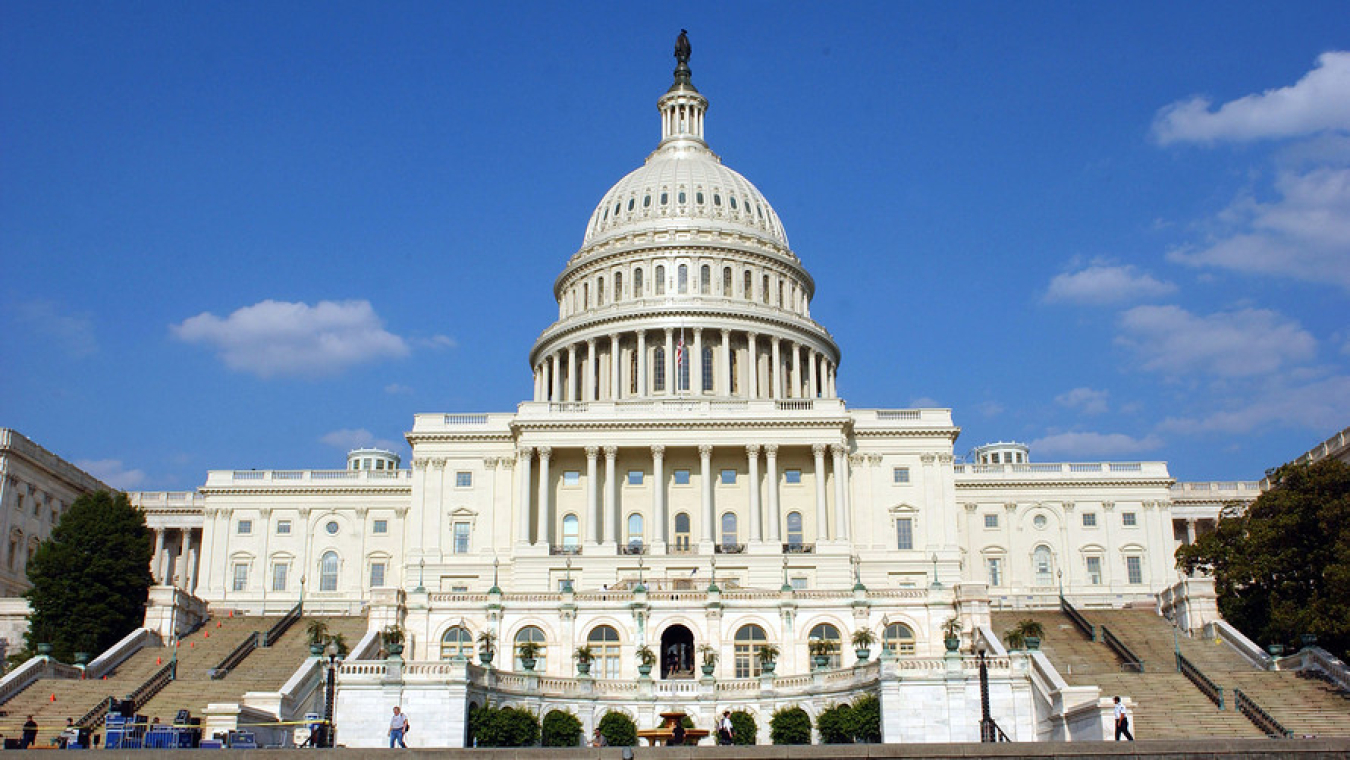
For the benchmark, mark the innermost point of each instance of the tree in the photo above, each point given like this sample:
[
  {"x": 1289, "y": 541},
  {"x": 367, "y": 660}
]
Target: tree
[
  {"x": 1281, "y": 568},
  {"x": 560, "y": 729},
  {"x": 505, "y": 727},
  {"x": 833, "y": 725},
  {"x": 790, "y": 725},
  {"x": 743, "y": 728},
  {"x": 91, "y": 577},
  {"x": 618, "y": 729}
]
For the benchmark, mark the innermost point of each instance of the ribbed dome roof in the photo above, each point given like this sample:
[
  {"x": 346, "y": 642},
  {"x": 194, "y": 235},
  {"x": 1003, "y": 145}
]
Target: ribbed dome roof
[{"x": 684, "y": 186}]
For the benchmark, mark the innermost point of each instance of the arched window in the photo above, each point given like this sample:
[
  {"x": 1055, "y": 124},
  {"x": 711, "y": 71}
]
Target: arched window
[
  {"x": 585, "y": 295},
  {"x": 660, "y": 281},
  {"x": 633, "y": 373},
  {"x": 749, "y": 638},
  {"x": 457, "y": 642},
  {"x": 794, "y": 531},
  {"x": 535, "y": 635},
  {"x": 328, "y": 571},
  {"x": 1043, "y": 565},
  {"x": 705, "y": 280},
  {"x": 729, "y": 529},
  {"x": 726, "y": 282},
  {"x": 600, "y": 291},
  {"x": 681, "y": 530},
  {"x": 635, "y": 531},
  {"x": 897, "y": 639},
  {"x": 765, "y": 291},
  {"x": 780, "y": 294},
  {"x": 571, "y": 538},
  {"x": 604, "y": 643},
  {"x": 637, "y": 282},
  {"x": 618, "y": 286},
  {"x": 829, "y": 634},
  {"x": 682, "y": 279},
  {"x": 707, "y": 368},
  {"x": 659, "y": 369},
  {"x": 748, "y": 286}
]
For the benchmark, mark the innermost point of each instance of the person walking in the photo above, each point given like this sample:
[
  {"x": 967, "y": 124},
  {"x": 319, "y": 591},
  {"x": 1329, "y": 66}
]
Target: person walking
[
  {"x": 725, "y": 731},
  {"x": 30, "y": 731},
  {"x": 1122, "y": 722},
  {"x": 398, "y": 727}
]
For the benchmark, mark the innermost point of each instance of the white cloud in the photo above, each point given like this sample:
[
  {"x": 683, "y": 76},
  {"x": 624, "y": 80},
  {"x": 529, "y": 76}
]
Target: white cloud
[
  {"x": 1104, "y": 284},
  {"x": 1086, "y": 445},
  {"x": 437, "y": 342},
  {"x": 924, "y": 402},
  {"x": 1308, "y": 406},
  {"x": 397, "y": 389},
  {"x": 1303, "y": 234},
  {"x": 72, "y": 333},
  {"x": 277, "y": 338},
  {"x": 1085, "y": 400},
  {"x": 991, "y": 408},
  {"x": 347, "y": 439},
  {"x": 1318, "y": 102},
  {"x": 1238, "y": 343},
  {"x": 112, "y": 472}
]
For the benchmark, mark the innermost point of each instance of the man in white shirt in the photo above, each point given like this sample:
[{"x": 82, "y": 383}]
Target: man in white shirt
[
  {"x": 725, "y": 733},
  {"x": 398, "y": 726},
  {"x": 1122, "y": 722}
]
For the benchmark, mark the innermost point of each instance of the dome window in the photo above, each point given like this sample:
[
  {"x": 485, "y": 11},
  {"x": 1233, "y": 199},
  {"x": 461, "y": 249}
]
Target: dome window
[
  {"x": 631, "y": 203},
  {"x": 717, "y": 199},
  {"x": 733, "y": 202},
  {"x": 617, "y": 207},
  {"x": 698, "y": 197},
  {"x": 665, "y": 198},
  {"x": 683, "y": 199},
  {"x": 646, "y": 201}
]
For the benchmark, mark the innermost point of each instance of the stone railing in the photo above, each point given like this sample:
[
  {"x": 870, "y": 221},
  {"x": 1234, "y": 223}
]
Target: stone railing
[
  {"x": 1221, "y": 630},
  {"x": 676, "y": 406},
  {"x": 1318, "y": 659},
  {"x": 41, "y": 666},
  {"x": 118, "y": 653},
  {"x": 1202, "y": 682},
  {"x": 1028, "y": 471},
  {"x": 1207, "y": 488},
  {"x": 1263, "y": 720},
  {"x": 313, "y": 477}
]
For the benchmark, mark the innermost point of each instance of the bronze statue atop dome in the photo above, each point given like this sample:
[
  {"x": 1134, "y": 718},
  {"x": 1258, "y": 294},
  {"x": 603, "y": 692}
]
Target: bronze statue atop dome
[{"x": 682, "y": 48}]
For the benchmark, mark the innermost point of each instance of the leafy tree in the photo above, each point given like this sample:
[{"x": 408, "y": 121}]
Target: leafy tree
[
  {"x": 744, "y": 729},
  {"x": 833, "y": 725},
  {"x": 790, "y": 725},
  {"x": 1282, "y": 567},
  {"x": 618, "y": 729},
  {"x": 865, "y": 720},
  {"x": 504, "y": 727},
  {"x": 560, "y": 729},
  {"x": 91, "y": 577}
]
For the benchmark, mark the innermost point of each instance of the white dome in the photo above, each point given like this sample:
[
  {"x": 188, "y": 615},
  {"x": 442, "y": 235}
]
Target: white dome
[{"x": 684, "y": 185}]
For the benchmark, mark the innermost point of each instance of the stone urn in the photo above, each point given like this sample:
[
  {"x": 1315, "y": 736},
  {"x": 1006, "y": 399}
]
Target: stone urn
[
  {"x": 767, "y": 666},
  {"x": 584, "y": 667},
  {"x": 863, "y": 653},
  {"x": 528, "y": 663},
  {"x": 485, "y": 658},
  {"x": 645, "y": 669},
  {"x": 708, "y": 668},
  {"x": 820, "y": 660},
  {"x": 1033, "y": 643},
  {"x": 44, "y": 649},
  {"x": 395, "y": 650},
  {"x": 952, "y": 643},
  {"x": 81, "y": 658}
]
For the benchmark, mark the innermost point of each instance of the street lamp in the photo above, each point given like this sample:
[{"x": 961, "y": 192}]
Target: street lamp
[
  {"x": 421, "y": 576},
  {"x": 936, "y": 583},
  {"x": 567, "y": 578},
  {"x": 786, "y": 586},
  {"x": 988, "y": 729},
  {"x": 332, "y": 651}
]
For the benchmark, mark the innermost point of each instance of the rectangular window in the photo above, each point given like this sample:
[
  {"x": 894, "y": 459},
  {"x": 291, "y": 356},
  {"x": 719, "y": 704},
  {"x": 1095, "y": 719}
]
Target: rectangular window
[
  {"x": 729, "y": 477},
  {"x": 572, "y": 478},
  {"x": 798, "y": 583},
  {"x": 995, "y": 567},
  {"x": 904, "y": 533},
  {"x": 245, "y": 527},
  {"x": 463, "y": 479},
  {"x": 278, "y": 576},
  {"x": 376, "y": 574},
  {"x": 459, "y": 588},
  {"x": 1128, "y": 519},
  {"x": 681, "y": 477},
  {"x": 991, "y": 521},
  {"x": 461, "y": 538},
  {"x": 1089, "y": 519},
  {"x": 283, "y": 527},
  {"x": 380, "y": 526},
  {"x": 240, "y": 581},
  {"x": 1094, "y": 568},
  {"x": 635, "y": 477},
  {"x": 792, "y": 477},
  {"x": 1134, "y": 568},
  {"x": 900, "y": 475}
]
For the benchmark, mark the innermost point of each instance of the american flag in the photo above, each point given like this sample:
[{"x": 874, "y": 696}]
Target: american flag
[{"x": 679, "y": 351}]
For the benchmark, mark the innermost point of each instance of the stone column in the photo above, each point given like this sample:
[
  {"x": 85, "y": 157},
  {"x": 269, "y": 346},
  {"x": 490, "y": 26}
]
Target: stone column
[
  {"x": 776, "y": 378},
  {"x": 705, "y": 472},
  {"x": 726, "y": 363},
  {"x": 751, "y": 367},
  {"x": 822, "y": 508},
  {"x": 670, "y": 362},
  {"x": 543, "y": 529},
  {"x": 588, "y": 383},
  {"x": 523, "y": 456},
  {"x": 554, "y": 379},
  {"x": 659, "y": 490},
  {"x": 840, "y": 491},
  {"x": 614, "y": 366},
  {"x": 756, "y": 513},
  {"x": 612, "y": 506},
  {"x": 642, "y": 363},
  {"x": 592, "y": 496},
  {"x": 571, "y": 373},
  {"x": 834, "y": 393},
  {"x": 160, "y": 555},
  {"x": 181, "y": 563},
  {"x": 771, "y": 460},
  {"x": 796, "y": 370},
  {"x": 811, "y": 372},
  {"x": 696, "y": 366},
  {"x": 193, "y": 543}
]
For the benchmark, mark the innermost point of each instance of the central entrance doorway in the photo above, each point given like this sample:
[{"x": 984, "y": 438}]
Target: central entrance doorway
[{"x": 677, "y": 653}]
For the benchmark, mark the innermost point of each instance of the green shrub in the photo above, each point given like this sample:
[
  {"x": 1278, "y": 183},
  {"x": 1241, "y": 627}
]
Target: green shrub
[
  {"x": 618, "y": 730},
  {"x": 505, "y": 727},
  {"x": 743, "y": 723},
  {"x": 560, "y": 729},
  {"x": 790, "y": 725},
  {"x": 833, "y": 725},
  {"x": 865, "y": 720}
]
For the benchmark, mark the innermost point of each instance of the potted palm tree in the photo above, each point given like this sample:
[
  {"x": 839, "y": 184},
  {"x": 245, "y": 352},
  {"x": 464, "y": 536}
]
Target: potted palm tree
[
  {"x": 863, "y": 639},
  {"x": 529, "y": 654},
  {"x": 392, "y": 635},
  {"x": 487, "y": 647},
  {"x": 709, "y": 659},
  {"x": 951, "y": 633},
  {"x": 1027, "y": 633},
  {"x": 646, "y": 659},
  {"x": 317, "y": 632},
  {"x": 585, "y": 655},
  {"x": 768, "y": 658},
  {"x": 820, "y": 650}
]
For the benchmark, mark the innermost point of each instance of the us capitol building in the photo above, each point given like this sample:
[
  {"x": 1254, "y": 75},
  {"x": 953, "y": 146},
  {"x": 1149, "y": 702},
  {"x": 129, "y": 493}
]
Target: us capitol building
[{"x": 684, "y": 475}]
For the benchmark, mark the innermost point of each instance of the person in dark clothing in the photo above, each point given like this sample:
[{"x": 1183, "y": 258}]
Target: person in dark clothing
[
  {"x": 30, "y": 729},
  {"x": 677, "y": 736}
]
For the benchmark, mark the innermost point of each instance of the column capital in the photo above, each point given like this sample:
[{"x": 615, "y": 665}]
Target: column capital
[
  {"x": 698, "y": 331},
  {"x": 971, "y": 506},
  {"x": 752, "y": 449},
  {"x": 438, "y": 463},
  {"x": 752, "y": 334},
  {"x": 524, "y": 452},
  {"x": 705, "y": 449},
  {"x": 670, "y": 331},
  {"x": 545, "y": 452},
  {"x": 819, "y": 449},
  {"x": 771, "y": 450},
  {"x": 592, "y": 452},
  {"x": 611, "y": 453},
  {"x": 658, "y": 451},
  {"x": 419, "y": 464},
  {"x": 839, "y": 449},
  {"x": 590, "y": 342}
]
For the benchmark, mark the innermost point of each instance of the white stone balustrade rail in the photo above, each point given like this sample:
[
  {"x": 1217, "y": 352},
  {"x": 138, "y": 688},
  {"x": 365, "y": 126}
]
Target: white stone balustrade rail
[
  {"x": 1085, "y": 470},
  {"x": 118, "y": 653},
  {"x": 281, "y": 478},
  {"x": 691, "y": 596},
  {"x": 1239, "y": 486}
]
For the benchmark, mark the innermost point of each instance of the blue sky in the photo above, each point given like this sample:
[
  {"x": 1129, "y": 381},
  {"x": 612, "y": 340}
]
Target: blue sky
[{"x": 254, "y": 234}]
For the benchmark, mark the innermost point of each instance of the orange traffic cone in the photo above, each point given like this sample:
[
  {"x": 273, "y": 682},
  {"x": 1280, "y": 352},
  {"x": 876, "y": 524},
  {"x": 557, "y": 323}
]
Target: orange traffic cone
[
  {"x": 192, "y": 645},
  {"x": 231, "y": 615},
  {"x": 208, "y": 634},
  {"x": 159, "y": 660},
  {"x": 53, "y": 697}
]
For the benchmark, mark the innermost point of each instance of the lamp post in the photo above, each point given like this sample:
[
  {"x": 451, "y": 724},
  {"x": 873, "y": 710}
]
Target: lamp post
[
  {"x": 567, "y": 577},
  {"x": 421, "y": 576},
  {"x": 936, "y": 583},
  {"x": 786, "y": 586},
  {"x": 329, "y": 693},
  {"x": 988, "y": 729},
  {"x": 641, "y": 567}
]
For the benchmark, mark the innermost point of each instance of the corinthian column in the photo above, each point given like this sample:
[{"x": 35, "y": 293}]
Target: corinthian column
[
  {"x": 659, "y": 490},
  {"x": 840, "y": 491},
  {"x": 751, "y": 367},
  {"x": 523, "y": 456},
  {"x": 771, "y": 458},
  {"x": 542, "y": 530},
  {"x": 776, "y": 379},
  {"x": 571, "y": 373},
  {"x": 726, "y": 363},
  {"x": 588, "y": 383},
  {"x": 822, "y": 511},
  {"x": 592, "y": 496},
  {"x": 614, "y": 373},
  {"x": 705, "y": 473},
  {"x": 611, "y": 496}
]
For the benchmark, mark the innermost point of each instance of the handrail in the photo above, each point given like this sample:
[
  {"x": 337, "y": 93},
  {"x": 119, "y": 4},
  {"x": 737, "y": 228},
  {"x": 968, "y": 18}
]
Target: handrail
[
  {"x": 1087, "y": 628},
  {"x": 1125, "y": 653},
  {"x": 235, "y": 657},
  {"x": 154, "y": 684},
  {"x": 95, "y": 713},
  {"x": 22, "y": 677},
  {"x": 1263, "y": 720},
  {"x": 120, "y": 652},
  {"x": 282, "y": 625},
  {"x": 1201, "y": 681}
]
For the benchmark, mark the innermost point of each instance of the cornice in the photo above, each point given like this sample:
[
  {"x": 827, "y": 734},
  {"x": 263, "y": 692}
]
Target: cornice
[
  {"x": 950, "y": 433},
  {"x": 293, "y": 490},
  {"x": 1065, "y": 483},
  {"x": 703, "y": 423}
]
